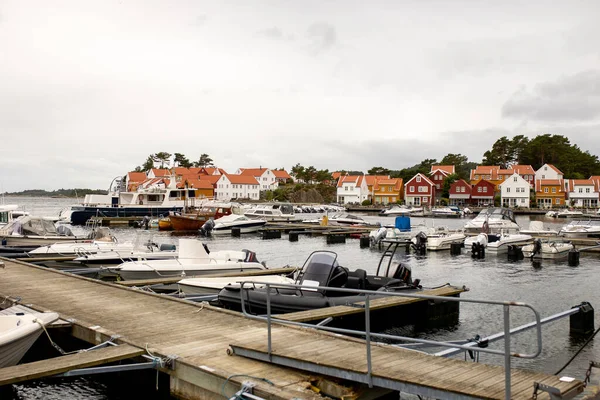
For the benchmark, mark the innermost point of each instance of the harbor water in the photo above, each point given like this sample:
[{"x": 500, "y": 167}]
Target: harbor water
[{"x": 550, "y": 287}]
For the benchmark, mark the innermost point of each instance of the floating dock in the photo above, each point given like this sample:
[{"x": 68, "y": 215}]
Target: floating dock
[{"x": 198, "y": 337}]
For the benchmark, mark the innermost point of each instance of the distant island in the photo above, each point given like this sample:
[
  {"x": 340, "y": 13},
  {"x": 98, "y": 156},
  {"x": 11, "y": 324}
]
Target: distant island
[{"x": 74, "y": 193}]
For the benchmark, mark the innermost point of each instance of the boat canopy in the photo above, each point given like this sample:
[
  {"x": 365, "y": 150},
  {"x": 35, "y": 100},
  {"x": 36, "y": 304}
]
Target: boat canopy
[{"x": 32, "y": 226}]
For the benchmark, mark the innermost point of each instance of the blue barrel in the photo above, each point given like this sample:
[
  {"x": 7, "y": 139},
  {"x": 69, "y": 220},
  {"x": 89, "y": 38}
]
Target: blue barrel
[{"x": 403, "y": 223}]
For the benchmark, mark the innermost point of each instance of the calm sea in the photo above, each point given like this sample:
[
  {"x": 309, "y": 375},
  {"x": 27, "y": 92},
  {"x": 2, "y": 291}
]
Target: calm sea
[{"x": 550, "y": 287}]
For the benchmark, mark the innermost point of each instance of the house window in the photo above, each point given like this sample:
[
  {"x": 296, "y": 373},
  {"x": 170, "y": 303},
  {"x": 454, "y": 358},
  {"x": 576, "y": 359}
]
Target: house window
[
  {"x": 580, "y": 190},
  {"x": 412, "y": 189},
  {"x": 346, "y": 188},
  {"x": 546, "y": 190},
  {"x": 507, "y": 190},
  {"x": 422, "y": 189},
  {"x": 545, "y": 168},
  {"x": 553, "y": 190},
  {"x": 543, "y": 176},
  {"x": 557, "y": 201},
  {"x": 587, "y": 190},
  {"x": 522, "y": 201},
  {"x": 418, "y": 179},
  {"x": 515, "y": 179},
  {"x": 476, "y": 176},
  {"x": 485, "y": 190},
  {"x": 479, "y": 190}
]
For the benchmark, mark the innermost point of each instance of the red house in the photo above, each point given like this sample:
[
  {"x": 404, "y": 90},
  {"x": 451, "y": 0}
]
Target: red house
[
  {"x": 439, "y": 173},
  {"x": 482, "y": 193},
  {"x": 419, "y": 190},
  {"x": 460, "y": 193}
]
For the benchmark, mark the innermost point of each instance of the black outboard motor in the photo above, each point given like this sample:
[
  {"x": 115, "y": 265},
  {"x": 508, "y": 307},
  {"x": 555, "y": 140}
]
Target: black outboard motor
[
  {"x": 537, "y": 247},
  {"x": 420, "y": 244},
  {"x": 144, "y": 223},
  {"x": 207, "y": 228}
]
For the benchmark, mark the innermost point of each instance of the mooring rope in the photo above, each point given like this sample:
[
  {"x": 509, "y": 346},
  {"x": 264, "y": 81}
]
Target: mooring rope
[
  {"x": 57, "y": 347},
  {"x": 578, "y": 351},
  {"x": 240, "y": 375}
]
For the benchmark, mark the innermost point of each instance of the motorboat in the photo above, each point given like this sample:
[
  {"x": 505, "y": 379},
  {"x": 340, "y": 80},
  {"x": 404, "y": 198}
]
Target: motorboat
[
  {"x": 536, "y": 228},
  {"x": 315, "y": 286},
  {"x": 401, "y": 210},
  {"x": 193, "y": 220},
  {"x": 194, "y": 259},
  {"x": 19, "y": 332},
  {"x": 441, "y": 238},
  {"x": 29, "y": 231},
  {"x": 207, "y": 285},
  {"x": 498, "y": 243},
  {"x": 581, "y": 229},
  {"x": 388, "y": 233},
  {"x": 548, "y": 249},
  {"x": 345, "y": 219},
  {"x": 566, "y": 213},
  {"x": 279, "y": 212},
  {"x": 494, "y": 219},
  {"x": 447, "y": 212},
  {"x": 7, "y": 213},
  {"x": 225, "y": 224}
]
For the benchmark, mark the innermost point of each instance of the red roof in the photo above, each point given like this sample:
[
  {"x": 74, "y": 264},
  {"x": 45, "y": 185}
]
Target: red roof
[
  {"x": 396, "y": 182},
  {"x": 484, "y": 170},
  {"x": 548, "y": 182},
  {"x": 242, "y": 179},
  {"x": 181, "y": 171},
  {"x": 427, "y": 180},
  {"x": 252, "y": 171},
  {"x": 210, "y": 178},
  {"x": 523, "y": 169},
  {"x": 281, "y": 174},
  {"x": 336, "y": 175},
  {"x": 350, "y": 179},
  {"x": 136, "y": 176},
  {"x": 372, "y": 179},
  {"x": 161, "y": 172},
  {"x": 448, "y": 169}
]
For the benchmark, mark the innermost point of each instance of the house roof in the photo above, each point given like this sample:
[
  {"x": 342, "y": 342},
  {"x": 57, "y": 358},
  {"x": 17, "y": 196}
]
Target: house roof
[
  {"x": 510, "y": 180},
  {"x": 445, "y": 169},
  {"x": 548, "y": 182},
  {"x": 136, "y": 176},
  {"x": 161, "y": 172},
  {"x": 181, "y": 171},
  {"x": 427, "y": 180},
  {"x": 357, "y": 179},
  {"x": 462, "y": 182},
  {"x": 372, "y": 179},
  {"x": 580, "y": 182},
  {"x": 212, "y": 170},
  {"x": 242, "y": 179},
  {"x": 281, "y": 174},
  {"x": 483, "y": 182},
  {"x": 523, "y": 169},
  {"x": 195, "y": 170},
  {"x": 336, "y": 174},
  {"x": 252, "y": 171},
  {"x": 210, "y": 178},
  {"x": 195, "y": 183},
  {"x": 484, "y": 170}
]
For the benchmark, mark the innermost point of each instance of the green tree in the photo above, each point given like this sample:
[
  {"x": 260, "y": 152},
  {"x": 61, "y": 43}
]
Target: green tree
[
  {"x": 204, "y": 161},
  {"x": 323, "y": 175},
  {"x": 298, "y": 171},
  {"x": 378, "y": 171},
  {"x": 181, "y": 160},
  {"x": 450, "y": 179},
  {"x": 506, "y": 152},
  {"x": 148, "y": 164},
  {"x": 162, "y": 157}
]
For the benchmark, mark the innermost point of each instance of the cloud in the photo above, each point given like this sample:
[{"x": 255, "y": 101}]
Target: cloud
[
  {"x": 569, "y": 98},
  {"x": 200, "y": 20},
  {"x": 322, "y": 37},
  {"x": 272, "y": 33}
]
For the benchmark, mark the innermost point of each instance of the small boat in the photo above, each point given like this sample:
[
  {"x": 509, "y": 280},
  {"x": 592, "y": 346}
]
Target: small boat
[
  {"x": 279, "y": 212},
  {"x": 440, "y": 238},
  {"x": 18, "y": 333},
  {"x": 536, "y": 228},
  {"x": 192, "y": 221},
  {"x": 321, "y": 269},
  {"x": 345, "y": 219},
  {"x": 447, "y": 212},
  {"x": 581, "y": 229},
  {"x": 494, "y": 219},
  {"x": 569, "y": 214},
  {"x": 550, "y": 249},
  {"x": 498, "y": 244},
  {"x": 29, "y": 231},
  {"x": 198, "y": 286},
  {"x": 224, "y": 225},
  {"x": 194, "y": 259},
  {"x": 401, "y": 210}
]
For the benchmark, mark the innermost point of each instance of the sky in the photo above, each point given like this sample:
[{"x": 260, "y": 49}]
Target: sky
[{"x": 88, "y": 89}]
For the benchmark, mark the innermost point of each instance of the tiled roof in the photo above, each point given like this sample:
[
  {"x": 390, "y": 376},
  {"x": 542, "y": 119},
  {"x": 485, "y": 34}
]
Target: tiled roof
[
  {"x": 396, "y": 182},
  {"x": 357, "y": 179},
  {"x": 281, "y": 174},
  {"x": 523, "y": 169},
  {"x": 336, "y": 175},
  {"x": 136, "y": 176},
  {"x": 449, "y": 169},
  {"x": 548, "y": 182},
  {"x": 210, "y": 178},
  {"x": 181, "y": 171},
  {"x": 252, "y": 171},
  {"x": 242, "y": 179},
  {"x": 427, "y": 180}
]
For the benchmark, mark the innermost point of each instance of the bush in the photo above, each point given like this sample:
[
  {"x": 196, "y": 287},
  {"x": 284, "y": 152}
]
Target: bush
[{"x": 366, "y": 202}]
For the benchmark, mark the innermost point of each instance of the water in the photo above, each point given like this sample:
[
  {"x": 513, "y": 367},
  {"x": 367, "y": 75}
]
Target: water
[{"x": 550, "y": 288}]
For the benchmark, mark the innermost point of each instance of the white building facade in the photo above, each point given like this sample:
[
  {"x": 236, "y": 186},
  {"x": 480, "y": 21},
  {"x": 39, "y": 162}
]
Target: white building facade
[
  {"x": 548, "y": 171},
  {"x": 514, "y": 192},
  {"x": 352, "y": 189},
  {"x": 237, "y": 187},
  {"x": 581, "y": 193}
]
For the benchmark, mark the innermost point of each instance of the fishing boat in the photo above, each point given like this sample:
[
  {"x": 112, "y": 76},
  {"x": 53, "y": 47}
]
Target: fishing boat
[
  {"x": 18, "y": 333},
  {"x": 548, "y": 249},
  {"x": 198, "y": 286},
  {"x": 192, "y": 220},
  {"x": 30, "y": 231},
  {"x": 194, "y": 259},
  {"x": 320, "y": 272}
]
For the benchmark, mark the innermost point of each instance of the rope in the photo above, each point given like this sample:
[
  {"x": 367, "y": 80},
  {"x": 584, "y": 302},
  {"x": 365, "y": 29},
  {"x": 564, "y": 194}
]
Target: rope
[
  {"x": 239, "y": 375},
  {"x": 578, "y": 351},
  {"x": 57, "y": 347}
]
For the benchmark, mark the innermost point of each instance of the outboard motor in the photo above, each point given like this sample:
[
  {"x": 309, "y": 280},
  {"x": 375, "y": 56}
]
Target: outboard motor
[
  {"x": 250, "y": 256},
  {"x": 144, "y": 223},
  {"x": 537, "y": 247},
  {"x": 420, "y": 243},
  {"x": 207, "y": 228},
  {"x": 377, "y": 236}
]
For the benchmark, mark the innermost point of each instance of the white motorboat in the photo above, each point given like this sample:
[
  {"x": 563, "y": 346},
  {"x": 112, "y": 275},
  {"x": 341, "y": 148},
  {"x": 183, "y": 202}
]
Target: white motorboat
[
  {"x": 581, "y": 229},
  {"x": 18, "y": 333},
  {"x": 280, "y": 212},
  {"x": 493, "y": 219},
  {"x": 550, "y": 249},
  {"x": 199, "y": 286},
  {"x": 194, "y": 259},
  {"x": 480, "y": 239},
  {"x": 345, "y": 219},
  {"x": 396, "y": 210},
  {"x": 389, "y": 233},
  {"x": 536, "y": 228},
  {"x": 569, "y": 214},
  {"x": 440, "y": 238},
  {"x": 7, "y": 213},
  {"x": 447, "y": 212},
  {"x": 224, "y": 225},
  {"x": 30, "y": 231},
  {"x": 498, "y": 244}
]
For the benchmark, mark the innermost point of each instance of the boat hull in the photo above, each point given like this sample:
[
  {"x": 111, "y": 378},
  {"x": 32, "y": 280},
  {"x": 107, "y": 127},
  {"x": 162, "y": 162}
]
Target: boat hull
[
  {"x": 36, "y": 241},
  {"x": 245, "y": 228},
  {"x": 81, "y": 215},
  {"x": 184, "y": 223},
  {"x": 203, "y": 269}
]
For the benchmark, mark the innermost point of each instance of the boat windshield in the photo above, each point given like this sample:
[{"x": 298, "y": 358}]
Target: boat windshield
[{"x": 317, "y": 268}]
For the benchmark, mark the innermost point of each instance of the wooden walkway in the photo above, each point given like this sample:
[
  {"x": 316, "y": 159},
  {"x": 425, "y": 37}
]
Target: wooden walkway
[{"x": 200, "y": 335}]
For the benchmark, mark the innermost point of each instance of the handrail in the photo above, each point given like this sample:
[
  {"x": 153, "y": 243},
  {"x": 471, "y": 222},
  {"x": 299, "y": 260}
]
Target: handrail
[{"x": 368, "y": 334}]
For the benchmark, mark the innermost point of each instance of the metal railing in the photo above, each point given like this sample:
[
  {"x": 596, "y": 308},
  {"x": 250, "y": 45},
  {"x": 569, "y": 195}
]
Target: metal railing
[{"x": 507, "y": 353}]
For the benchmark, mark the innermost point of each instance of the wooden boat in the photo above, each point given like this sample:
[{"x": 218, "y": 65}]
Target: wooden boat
[
  {"x": 18, "y": 333},
  {"x": 193, "y": 221}
]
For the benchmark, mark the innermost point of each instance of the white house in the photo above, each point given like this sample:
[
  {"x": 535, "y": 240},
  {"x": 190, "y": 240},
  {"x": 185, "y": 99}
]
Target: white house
[
  {"x": 581, "y": 193},
  {"x": 352, "y": 189},
  {"x": 230, "y": 186},
  {"x": 548, "y": 171},
  {"x": 267, "y": 180},
  {"x": 514, "y": 191}
]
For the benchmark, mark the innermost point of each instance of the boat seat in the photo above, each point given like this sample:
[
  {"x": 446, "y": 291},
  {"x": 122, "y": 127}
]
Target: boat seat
[
  {"x": 167, "y": 247},
  {"x": 357, "y": 279}
]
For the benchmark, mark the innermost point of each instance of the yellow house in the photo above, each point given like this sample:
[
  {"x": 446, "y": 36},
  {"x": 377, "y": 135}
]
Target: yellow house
[
  {"x": 386, "y": 191},
  {"x": 495, "y": 175},
  {"x": 549, "y": 193}
]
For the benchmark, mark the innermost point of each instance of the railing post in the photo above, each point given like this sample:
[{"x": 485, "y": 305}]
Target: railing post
[
  {"x": 368, "y": 338},
  {"x": 507, "y": 352},
  {"x": 269, "y": 321}
]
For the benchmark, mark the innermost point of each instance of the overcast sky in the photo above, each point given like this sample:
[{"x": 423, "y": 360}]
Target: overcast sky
[{"x": 88, "y": 89}]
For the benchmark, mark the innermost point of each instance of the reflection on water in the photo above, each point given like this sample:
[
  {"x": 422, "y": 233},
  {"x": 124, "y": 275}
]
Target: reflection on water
[{"x": 549, "y": 286}]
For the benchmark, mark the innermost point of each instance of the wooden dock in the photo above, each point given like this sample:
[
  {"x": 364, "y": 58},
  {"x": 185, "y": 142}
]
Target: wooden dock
[{"x": 200, "y": 335}]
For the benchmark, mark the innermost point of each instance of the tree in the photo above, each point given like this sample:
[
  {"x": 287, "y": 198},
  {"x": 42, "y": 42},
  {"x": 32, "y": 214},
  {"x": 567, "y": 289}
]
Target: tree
[
  {"x": 462, "y": 166},
  {"x": 323, "y": 175},
  {"x": 450, "y": 179},
  {"x": 298, "y": 171},
  {"x": 148, "y": 164},
  {"x": 204, "y": 161},
  {"x": 378, "y": 171},
  {"x": 506, "y": 152},
  {"x": 182, "y": 160},
  {"x": 162, "y": 157}
]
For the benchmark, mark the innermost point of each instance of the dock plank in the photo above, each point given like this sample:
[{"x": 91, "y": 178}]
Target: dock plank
[{"x": 59, "y": 365}]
